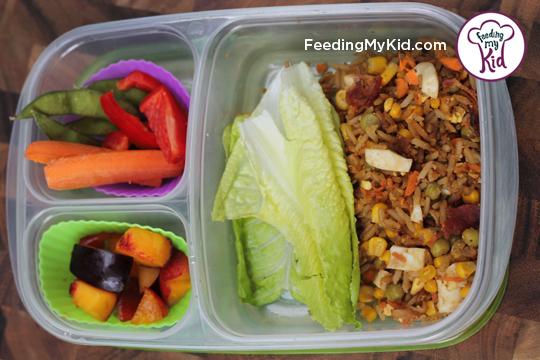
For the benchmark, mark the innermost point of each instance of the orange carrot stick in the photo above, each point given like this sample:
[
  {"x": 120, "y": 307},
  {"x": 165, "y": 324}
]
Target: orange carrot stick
[
  {"x": 150, "y": 182},
  {"x": 46, "y": 151},
  {"x": 411, "y": 183},
  {"x": 401, "y": 88},
  {"x": 412, "y": 78},
  {"x": 406, "y": 63},
  {"x": 112, "y": 167},
  {"x": 451, "y": 63}
]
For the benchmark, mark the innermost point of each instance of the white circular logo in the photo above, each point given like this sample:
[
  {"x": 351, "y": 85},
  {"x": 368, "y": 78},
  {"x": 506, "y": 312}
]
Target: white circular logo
[{"x": 491, "y": 46}]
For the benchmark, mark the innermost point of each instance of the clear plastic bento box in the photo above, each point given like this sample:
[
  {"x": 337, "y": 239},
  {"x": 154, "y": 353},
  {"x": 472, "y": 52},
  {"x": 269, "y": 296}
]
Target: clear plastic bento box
[{"x": 225, "y": 58}]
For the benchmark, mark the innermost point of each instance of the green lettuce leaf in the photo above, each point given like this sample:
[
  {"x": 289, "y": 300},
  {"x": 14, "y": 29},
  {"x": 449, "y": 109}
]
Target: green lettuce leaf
[{"x": 286, "y": 168}]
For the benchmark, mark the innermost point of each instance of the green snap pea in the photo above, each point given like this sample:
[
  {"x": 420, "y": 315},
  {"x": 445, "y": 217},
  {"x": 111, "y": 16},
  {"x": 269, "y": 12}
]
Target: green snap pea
[
  {"x": 58, "y": 131},
  {"x": 92, "y": 126},
  {"x": 81, "y": 102},
  {"x": 134, "y": 96}
]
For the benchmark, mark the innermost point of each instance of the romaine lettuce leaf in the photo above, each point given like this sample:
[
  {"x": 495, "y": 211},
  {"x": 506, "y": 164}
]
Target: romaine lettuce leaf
[{"x": 286, "y": 168}]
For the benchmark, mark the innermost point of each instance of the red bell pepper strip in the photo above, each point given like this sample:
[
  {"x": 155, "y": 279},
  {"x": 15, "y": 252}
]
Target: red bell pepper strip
[
  {"x": 139, "y": 80},
  {"x": 137, "y": 132},
  {"x": 168, "y": 121},
  {"x": 117, "y": 141}
]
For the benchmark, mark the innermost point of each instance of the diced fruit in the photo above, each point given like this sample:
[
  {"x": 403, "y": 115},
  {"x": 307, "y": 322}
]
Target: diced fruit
[
  {"x": 98, "y": 240},
  {"x": 385, "y": 159},
  {"x": 147, "y": 276},
  {"x": 100, "y": 268},
  {"x": 174, "y": 279},
  {"x": 407, "y": 259},
  {"x": 95, "y": 302},
  {"x": 151, "y": 309},
  {"x": 128, "y": 301},
  {"x": 146, "y": 247},
  {"x": 117, "y": 141}
]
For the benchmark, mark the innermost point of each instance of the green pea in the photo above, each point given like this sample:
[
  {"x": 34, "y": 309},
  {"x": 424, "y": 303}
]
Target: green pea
[
  {"x": 58, "y": 131},
  {"x": 441, "y": 247},
  {"x": 368, "y": 120},
  {"x": 470, "y": 237},
  {"x": 92, "y": 126},
  {"x": 134, "y": 96},
  {"x": 467, "y": 132},
  {"x": 433, "y": 191},
  {"x": 81, "y": 102},
  {"x": 394, "y": 292}
]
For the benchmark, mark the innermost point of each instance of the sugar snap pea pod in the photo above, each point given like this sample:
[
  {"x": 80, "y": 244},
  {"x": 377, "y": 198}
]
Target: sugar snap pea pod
[
  {"x": 92, "y": 126},
  {"x": 58, "y": 131},
  {"x": 82, "y": 102},
  {"x": 134, "y": 96}
]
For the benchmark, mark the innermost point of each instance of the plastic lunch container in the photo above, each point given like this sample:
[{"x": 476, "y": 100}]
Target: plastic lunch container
[{"x": 225, "y": 58}]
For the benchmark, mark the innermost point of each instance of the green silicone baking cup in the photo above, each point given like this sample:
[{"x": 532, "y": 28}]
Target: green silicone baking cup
[{"x": 55, "y": 278}]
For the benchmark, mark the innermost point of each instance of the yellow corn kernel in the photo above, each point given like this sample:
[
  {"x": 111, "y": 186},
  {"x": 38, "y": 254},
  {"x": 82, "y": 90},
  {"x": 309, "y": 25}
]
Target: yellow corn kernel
[
  {"x": 366, "y": 294},
  {"x": 368, "y": 313},
  {"x": 388, "y": 104},
  {"x": 431, "y": 286},
  {"x": 341, "y": 100},
  {"x": 431, "y": 310},
  {"x": 428, "y": 273},
  {"x": 389, "y": 73},
  {"x": 405, "y": 133},
  {"x": 376, "y": 246},
  {"x": 390, "y": 233},
  {"x": 364, "y": 247},
  {"x": 375, "y": 212},
  {"x": 376, "y": 65},
  {"x": 427, "y": 235},
  {"x": 395, "y": 111},
  {"x": 435, "y": 103},
  {"x": 465, "y": 269},
  {"x": 366, "y": 185},
  {"x": 386, "y": 256},
  {"x": 441, "y": 261},
  {"x": 464, "y": 291},
  {"x": 472, "y": 198},
  {"x": 417, "y": 285},
  {"x": 378, "y": 294}
]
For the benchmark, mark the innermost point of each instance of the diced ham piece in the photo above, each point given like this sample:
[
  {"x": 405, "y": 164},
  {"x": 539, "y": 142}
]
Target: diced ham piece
[{"x": 460, "y": 218}]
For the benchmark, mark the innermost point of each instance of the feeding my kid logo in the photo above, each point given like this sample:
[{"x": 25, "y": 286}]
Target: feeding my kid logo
[{"x": 491, "y": 46}]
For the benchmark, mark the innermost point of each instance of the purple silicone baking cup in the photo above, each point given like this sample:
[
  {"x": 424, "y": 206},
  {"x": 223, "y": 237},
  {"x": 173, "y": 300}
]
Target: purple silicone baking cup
[{"x": 122, "y": 69}]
